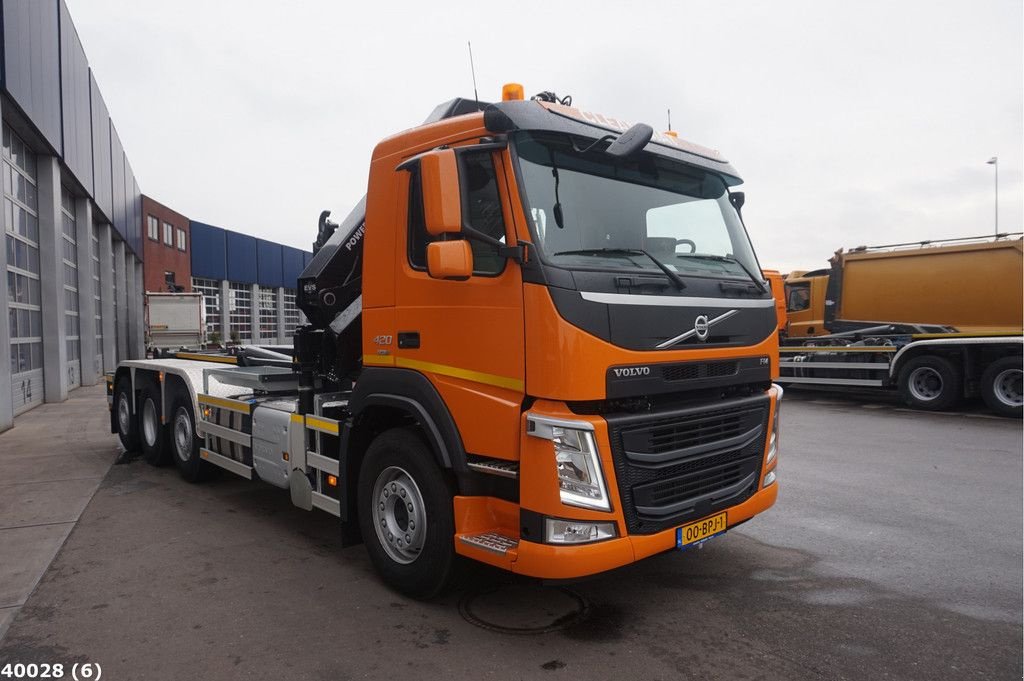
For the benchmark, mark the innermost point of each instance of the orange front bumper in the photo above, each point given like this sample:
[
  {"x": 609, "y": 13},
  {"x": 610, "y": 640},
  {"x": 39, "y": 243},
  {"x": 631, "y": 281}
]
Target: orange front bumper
[{"x": 548, "y": 561}]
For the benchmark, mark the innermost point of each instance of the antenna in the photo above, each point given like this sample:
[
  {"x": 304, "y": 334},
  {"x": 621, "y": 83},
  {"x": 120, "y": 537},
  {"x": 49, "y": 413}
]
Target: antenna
[
  {"x": 472, "y": 70},
  {"x": 670, "y": 120}
]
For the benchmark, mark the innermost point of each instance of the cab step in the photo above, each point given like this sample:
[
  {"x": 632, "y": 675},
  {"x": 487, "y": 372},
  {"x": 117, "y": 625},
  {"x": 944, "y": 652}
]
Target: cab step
[
  {"x": 499, "y": 467},
  {"x": 491, "y": 541}
]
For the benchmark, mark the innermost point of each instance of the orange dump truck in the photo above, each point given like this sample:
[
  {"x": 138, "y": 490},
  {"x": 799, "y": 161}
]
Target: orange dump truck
[
  {"x": 974, "y": 285},
  {"x": 937, "y": 321},
  {"x": 542, "y": 341}
]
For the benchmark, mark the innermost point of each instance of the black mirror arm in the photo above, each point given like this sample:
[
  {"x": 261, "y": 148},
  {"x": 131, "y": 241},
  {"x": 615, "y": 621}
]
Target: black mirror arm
[{"x": 517, "y": 252}]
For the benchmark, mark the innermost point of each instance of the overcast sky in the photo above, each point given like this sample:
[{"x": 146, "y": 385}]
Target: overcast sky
[{"x": 851, "y": 122}]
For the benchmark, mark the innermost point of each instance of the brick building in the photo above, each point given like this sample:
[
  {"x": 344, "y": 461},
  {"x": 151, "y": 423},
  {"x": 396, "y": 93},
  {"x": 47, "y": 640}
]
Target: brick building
[{"x": 166, "y": 248}]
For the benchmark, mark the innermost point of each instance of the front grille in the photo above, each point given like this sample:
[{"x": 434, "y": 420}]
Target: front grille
[
  {"x": 685, "y": 464},
  {"x": 689, "y": 371}
]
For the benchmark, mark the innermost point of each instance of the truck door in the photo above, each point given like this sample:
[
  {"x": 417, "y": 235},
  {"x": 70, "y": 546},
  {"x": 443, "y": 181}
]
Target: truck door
[{"x": 467, "y": 336}]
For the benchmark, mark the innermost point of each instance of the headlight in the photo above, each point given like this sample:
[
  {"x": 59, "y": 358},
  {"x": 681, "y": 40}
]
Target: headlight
[{"x": 580, "y": 479}]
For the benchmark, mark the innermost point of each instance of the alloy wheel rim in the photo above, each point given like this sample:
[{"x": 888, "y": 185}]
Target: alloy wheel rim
[
  {"x": 149, "y": 425},
  {"x": 1008, "y": 387},
  {"x": 925, "y": 384},
  {"x": 182, "y": 434},
  {"x": 399, "y": 515},
  {"x": 124, "y": 414}
]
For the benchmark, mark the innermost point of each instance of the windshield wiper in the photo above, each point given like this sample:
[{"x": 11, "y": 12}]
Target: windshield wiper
[
  {"x": 675, "y": 278},
  {"x": 727, "y": 258}
]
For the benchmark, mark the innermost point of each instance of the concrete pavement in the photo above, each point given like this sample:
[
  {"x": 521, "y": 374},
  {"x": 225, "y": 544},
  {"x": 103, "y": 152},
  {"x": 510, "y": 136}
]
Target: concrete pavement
[
  {"x": 51, "y": 464},
  {"x": 894, "y": 552}
]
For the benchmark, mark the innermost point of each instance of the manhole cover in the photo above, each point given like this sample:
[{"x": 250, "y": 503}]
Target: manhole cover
[{"x": 524, "y": 609}]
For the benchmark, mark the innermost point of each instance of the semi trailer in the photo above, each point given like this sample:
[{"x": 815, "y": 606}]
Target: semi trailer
[
  {"x": 542, "y": 341},
  {"x": 936, "y": 321}
]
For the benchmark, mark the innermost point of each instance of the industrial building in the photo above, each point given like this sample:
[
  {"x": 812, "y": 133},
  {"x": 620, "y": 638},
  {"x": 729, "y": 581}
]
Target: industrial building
[
  {"x": 248, "y": 284},
  {"x": 82, "y": 243}
]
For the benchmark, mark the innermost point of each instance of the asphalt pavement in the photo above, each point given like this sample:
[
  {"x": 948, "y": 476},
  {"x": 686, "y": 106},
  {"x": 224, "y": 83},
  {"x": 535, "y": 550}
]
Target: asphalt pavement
[{"x": 894, "y": 551}]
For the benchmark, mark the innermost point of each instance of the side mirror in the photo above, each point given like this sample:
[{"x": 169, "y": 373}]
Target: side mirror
[
  {"x": 450, "y": 259},
  {"x": 631, "y": 141},
  {"x": 737, "y": 199},
  {"x": 442, "y": 204}
]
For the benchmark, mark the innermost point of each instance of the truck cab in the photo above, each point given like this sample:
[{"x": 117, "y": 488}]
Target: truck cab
[{"x": 555, "y": 348}]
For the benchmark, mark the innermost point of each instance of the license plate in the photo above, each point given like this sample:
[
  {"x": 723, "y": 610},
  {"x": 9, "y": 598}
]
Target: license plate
[{"x": 694, "y": 533}]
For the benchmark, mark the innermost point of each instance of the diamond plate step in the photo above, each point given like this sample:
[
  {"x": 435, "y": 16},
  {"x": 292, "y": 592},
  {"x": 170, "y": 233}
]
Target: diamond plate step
[
  {"x": 491, "y": 541},
  {"x": 506, "y": 469}
]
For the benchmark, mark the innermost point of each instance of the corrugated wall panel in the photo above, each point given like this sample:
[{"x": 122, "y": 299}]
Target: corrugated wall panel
[
  {"x": 101, "y": 167},
  {"x": 74, "y": 84},
  {"x": 32, "y": 63},
  {"x": 209, "y": 251},
  {"x": 120, "y": 218},
  {"x": 241, "y": 257},
  {"x": 132, "y": 209},
  {"x": 268, "y": 260},
  {"x": 293, "y": 263}
]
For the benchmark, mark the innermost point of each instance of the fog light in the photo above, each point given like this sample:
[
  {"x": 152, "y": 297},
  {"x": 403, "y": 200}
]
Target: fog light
[
  {"x": 574, "y": 532},
  {"x": 769, "y": 478}
]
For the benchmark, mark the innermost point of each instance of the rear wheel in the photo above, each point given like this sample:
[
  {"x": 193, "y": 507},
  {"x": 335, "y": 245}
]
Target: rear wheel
[
  {"x": 405, "y": 514},
  {"x": 184, "y": 441},
  {"x": 930, "y": 382},
  {"x": 152, "y": 434},
  {"x": 1001, "y": 386},
  {"x": 127, "y": 426}
]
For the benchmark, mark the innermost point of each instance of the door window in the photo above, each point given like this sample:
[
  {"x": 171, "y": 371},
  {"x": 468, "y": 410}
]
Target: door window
[{"x": 481, "y": 210}]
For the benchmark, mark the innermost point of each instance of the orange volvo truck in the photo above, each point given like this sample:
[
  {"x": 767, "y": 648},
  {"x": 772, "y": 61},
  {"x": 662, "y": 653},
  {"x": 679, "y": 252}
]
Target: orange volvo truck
[{"x": 542, "y": 341}]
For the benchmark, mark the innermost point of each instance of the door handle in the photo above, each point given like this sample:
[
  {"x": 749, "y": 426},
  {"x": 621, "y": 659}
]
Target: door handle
[{"x": 409, "y": 340}]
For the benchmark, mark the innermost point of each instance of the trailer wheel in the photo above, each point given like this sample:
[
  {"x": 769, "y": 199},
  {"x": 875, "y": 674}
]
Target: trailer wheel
[
  {"x": 930, "y": 382},
  {"x": 406, "y": 514},
  {"x": 152, "y": 434},
  {"x": 185, "y": 443},
  {"x": 1001, "y": 386},
  {"x": 127, "y": 425}
]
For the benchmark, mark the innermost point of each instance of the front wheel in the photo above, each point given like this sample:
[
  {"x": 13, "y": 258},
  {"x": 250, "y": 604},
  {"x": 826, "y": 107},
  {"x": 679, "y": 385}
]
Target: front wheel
[
  {"x": 1001, "y": 386},
  {"x": 405, "y": 514},
  {"x": 930, "y": 382}
]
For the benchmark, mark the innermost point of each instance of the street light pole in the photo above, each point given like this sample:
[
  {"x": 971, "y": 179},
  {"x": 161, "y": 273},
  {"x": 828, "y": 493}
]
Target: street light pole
[{"x": 994, "y": 161}]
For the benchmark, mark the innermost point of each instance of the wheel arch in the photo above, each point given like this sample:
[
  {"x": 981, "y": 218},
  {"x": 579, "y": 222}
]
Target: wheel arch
[{"x": 387, "y": 398}]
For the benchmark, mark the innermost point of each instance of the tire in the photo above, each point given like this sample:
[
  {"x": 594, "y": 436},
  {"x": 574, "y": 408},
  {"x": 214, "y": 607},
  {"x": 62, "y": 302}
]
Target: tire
[
  {"x": 184, "y": 444},
  {"x": 127, "y": 423},
  {"x": 931, "y": 383},
  {"x": 152, "y": 433},
  {"x": 1001, "y": 386},
  {"x": 410, "y": 544}
]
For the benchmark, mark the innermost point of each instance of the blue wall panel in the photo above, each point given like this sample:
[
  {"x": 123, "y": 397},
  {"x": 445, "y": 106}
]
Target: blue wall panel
[
  {"x": 209, "y": 251},
  {"x": 32, "y": 63},
  {"x": 292, "y": 264},
  {"x": 102, "y": 192},
  {"x": 268, "y": 256},
  {"x": 241, "y": 257},
  {"x": 74, "y": 87}
]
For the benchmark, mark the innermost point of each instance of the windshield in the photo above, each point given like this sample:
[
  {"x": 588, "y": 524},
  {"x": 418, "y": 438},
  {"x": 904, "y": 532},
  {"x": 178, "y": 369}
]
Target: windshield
[{"x": 589, "y": 213}]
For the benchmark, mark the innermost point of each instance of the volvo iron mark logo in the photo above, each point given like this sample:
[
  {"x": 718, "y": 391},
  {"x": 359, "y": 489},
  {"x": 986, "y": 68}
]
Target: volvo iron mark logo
[{"x": 700, "y": 327}]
